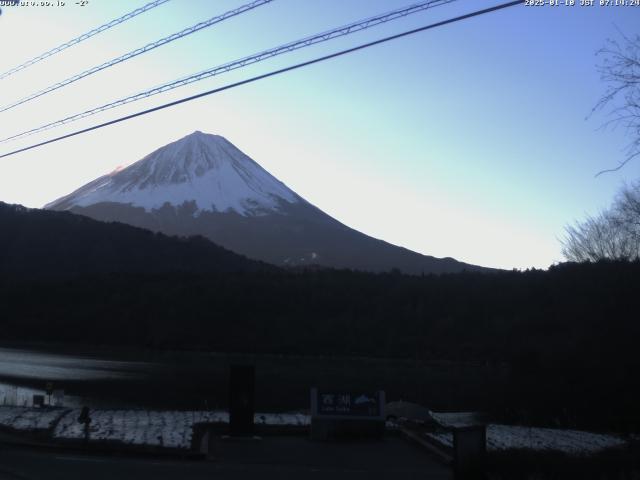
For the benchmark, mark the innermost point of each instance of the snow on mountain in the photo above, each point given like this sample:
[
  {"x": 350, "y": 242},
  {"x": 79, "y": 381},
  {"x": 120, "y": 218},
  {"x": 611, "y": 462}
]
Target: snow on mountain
[
  {"x": 202, "y": 168},
  {"x": 203, "y": 185}
]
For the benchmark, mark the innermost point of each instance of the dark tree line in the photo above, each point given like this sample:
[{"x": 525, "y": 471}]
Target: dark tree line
[
  {"x": 569, "y": 336},
  {"x": 40, "y": 244}
]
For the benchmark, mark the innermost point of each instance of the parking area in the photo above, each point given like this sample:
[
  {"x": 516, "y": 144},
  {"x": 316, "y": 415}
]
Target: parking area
[{"x": 273, "y": 457}]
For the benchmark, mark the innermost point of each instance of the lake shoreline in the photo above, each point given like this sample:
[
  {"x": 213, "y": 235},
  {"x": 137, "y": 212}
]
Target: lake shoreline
[{"x": 197, "y": 380}]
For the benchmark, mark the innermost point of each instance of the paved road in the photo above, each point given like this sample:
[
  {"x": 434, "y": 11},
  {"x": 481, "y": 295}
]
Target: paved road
[{"x": 281, "y": 458}]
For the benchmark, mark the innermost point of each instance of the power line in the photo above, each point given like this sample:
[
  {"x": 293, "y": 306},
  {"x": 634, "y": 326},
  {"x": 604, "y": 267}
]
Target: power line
[
  {"x": 84, "y": 37},
  {"x": 271, "y": 74},
  {"x": 255, "y": 58},
  {"x": 139, "y": 51}
]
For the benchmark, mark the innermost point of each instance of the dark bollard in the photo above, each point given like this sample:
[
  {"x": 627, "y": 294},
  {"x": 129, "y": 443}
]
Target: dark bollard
[
  {"x": 241, "y": 400},
  {"x": 85, "y": 418},
  {"x": 200, "y": 440},
  {"x": 469, "y": 452},
  {"x": 38, "y": 401}
]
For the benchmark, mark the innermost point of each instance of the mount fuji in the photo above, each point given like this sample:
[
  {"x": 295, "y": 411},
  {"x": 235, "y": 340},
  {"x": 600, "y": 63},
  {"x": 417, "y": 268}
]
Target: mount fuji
[{"x": 203, "y": 185}]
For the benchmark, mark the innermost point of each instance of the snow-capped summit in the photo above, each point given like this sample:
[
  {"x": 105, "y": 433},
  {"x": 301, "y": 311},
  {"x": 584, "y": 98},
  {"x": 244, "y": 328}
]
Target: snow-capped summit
[
  {"x": 203, "y": 185},
  {"x": 202, "y": 168}
]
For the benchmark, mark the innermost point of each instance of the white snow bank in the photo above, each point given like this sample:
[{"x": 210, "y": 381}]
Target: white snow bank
[
  {"x": 572, "y": 442},
  {"x": 137, "y": 427},
  {"x": 456, "y": 419},
  {"x": 29, "y": 419},
  {"x": 172, "y": 429},
  {"x": 286, "y": 419}
]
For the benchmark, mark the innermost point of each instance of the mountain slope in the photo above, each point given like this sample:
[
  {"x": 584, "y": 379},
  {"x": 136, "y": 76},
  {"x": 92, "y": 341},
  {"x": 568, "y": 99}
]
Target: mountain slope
[
  {"x": 39, "y": 243},
  {"x": 202, "y": 184},
  {"x": 200, "y": 168}
]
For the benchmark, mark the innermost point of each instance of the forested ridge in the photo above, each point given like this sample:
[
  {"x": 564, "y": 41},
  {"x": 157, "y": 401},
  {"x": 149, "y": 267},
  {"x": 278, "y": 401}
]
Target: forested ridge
[
  {"x": 569, "y": 335},
  {"x": 41, "y": 243}
]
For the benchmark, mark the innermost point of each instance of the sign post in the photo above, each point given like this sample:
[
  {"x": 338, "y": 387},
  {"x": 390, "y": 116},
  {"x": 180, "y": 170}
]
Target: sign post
[
  {"x": 49, "y": 390},
  {"x": 346, "y": 414}
]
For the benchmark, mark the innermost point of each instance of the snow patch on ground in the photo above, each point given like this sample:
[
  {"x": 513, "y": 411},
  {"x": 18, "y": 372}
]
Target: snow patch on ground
[
  {"x": 572, "y": 442},
  {"x": 285, "y": 419},
  {"x": 171, "y": 429},
  {"x": 174, "y": 429},
  {"x": 29, "y": 419},
  {"x": 456, "y": 419}
]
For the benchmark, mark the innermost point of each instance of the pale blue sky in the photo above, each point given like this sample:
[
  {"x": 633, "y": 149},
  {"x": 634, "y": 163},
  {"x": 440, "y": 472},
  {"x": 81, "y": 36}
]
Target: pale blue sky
[{"x": 468, "y": 141}]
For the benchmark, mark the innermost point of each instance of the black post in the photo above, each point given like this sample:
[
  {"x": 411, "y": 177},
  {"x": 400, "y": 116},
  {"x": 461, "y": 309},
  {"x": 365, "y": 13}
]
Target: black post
[
  {"x": 241, "y": 399},
  {"x": 85, "y": 418},
  {"x": 469, "y": 452}
]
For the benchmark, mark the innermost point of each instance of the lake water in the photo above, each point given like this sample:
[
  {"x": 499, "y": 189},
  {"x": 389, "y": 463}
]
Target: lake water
[
  {"x": 51, "y": 366},
  {"x": 27, "y": 372},
  {"x": 104, "y": 378}
]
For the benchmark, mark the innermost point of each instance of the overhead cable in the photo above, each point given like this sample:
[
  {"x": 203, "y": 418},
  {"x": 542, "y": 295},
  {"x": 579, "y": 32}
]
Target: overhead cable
[
  {"x": 243, "y": 62},
  {"x": 139, "y": 51},
  {"x": 84, "y": 36},
  {"x": 269, "y": 74}
]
